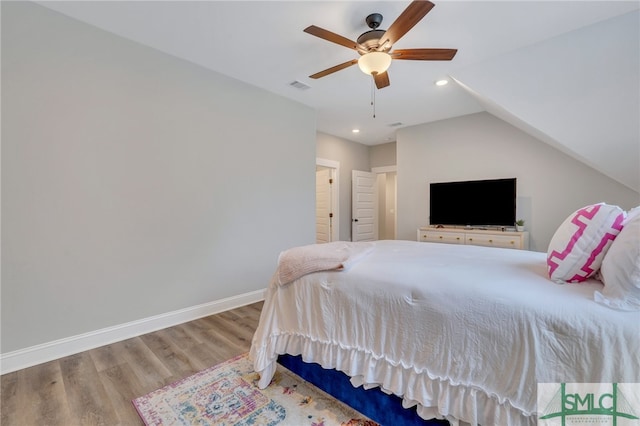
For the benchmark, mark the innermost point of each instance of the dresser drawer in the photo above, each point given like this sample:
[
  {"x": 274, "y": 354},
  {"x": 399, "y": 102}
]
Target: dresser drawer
[
  {"x": 476, "y": 237},
  {"x": 442, "y": 237},
  {"x": 504, "y": 241}
]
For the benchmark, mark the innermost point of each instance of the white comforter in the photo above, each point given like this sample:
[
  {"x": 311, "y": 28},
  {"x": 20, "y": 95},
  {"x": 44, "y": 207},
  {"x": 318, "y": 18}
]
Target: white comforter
[{"x": 464, "y": 332}]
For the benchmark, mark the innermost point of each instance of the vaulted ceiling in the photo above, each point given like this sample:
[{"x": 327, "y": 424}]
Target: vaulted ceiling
[{"x": 566, "y": 72}]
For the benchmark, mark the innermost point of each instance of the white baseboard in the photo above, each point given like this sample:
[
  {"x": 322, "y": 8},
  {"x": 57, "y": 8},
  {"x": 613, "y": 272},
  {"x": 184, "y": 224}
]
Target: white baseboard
[{"x": 34, "y": 355}]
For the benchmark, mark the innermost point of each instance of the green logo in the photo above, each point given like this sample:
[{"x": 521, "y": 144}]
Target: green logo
[{"x": 587, "y": 403}]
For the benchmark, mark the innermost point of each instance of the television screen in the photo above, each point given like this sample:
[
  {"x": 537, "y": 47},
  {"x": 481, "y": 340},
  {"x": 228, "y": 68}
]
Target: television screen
[{"x": 473, "y": 203}]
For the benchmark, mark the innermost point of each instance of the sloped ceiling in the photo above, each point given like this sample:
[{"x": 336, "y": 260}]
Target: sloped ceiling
[
  {"x": 565, "y": 71},
  {"x": 581, "y": 94}
]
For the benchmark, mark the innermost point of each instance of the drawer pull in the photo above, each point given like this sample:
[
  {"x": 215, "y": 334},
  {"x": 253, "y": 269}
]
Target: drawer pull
[
  {"x": 470, "y": 239},
  {"x": 490, "y": 241},
  {"x": 458, "y": 238},
  {"x": 440, "y": 236},
  {"x": 513, "y": 242}
]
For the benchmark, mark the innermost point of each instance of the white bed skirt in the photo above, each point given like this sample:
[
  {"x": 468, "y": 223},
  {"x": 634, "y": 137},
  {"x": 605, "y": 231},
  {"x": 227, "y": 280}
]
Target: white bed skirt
[{"x": 431, "y": 395}]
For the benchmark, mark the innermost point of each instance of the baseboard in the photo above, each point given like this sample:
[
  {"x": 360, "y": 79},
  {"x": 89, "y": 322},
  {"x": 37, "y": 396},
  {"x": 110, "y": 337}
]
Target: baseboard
[{"x": 34, "y": 355}]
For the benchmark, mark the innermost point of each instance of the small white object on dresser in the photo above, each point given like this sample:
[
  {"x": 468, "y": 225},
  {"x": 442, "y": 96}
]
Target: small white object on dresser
[{"x": 477, "y": 237}]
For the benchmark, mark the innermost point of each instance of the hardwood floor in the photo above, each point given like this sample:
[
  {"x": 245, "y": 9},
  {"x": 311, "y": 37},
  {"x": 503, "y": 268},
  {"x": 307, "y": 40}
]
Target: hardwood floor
[{"x": 96, "y": 387}]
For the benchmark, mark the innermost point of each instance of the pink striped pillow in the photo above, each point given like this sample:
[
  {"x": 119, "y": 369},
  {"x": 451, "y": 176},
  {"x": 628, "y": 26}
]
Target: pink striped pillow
[{"x": 580, "y": 243}]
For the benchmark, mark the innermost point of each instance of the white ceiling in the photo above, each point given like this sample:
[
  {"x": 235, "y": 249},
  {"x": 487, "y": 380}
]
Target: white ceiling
[{"x": 263, "y": 43}]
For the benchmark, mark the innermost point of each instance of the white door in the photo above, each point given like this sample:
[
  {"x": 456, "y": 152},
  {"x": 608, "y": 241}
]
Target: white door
[
  {"x": 364, "y": 208},
  {"x": 323, "y": 206}
]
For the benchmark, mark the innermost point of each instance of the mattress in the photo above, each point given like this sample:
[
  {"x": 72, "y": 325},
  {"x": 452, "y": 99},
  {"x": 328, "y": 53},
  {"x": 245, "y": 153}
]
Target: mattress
[{"x": 462, "y": 332}]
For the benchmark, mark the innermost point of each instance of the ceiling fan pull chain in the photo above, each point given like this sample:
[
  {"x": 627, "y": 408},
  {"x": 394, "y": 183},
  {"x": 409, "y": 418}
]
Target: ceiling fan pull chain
[{"x": 373, "y": 99}]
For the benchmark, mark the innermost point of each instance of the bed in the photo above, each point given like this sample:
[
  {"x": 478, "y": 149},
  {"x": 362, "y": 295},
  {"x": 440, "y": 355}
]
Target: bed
[{"x": 464, "y": 333}]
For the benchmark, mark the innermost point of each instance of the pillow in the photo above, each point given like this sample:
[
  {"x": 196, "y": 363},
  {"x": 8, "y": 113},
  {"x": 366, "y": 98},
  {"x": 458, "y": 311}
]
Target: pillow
[
  {"x": 581, "y": 242},
  {"x": 620, "y": 270},
  {"x": 631, "y": 215}
]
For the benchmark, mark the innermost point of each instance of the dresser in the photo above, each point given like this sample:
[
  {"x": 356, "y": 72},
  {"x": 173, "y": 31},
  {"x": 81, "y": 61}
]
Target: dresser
[{"x": 477, "y": 237}]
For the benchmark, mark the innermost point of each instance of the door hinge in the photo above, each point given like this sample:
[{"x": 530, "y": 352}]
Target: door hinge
[
  {"x": 330, "y": 214},
  {"x": 330, "y": 181}
]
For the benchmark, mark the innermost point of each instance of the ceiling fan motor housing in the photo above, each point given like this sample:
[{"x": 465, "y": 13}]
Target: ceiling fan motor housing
[{"x": 370, "y": 39}]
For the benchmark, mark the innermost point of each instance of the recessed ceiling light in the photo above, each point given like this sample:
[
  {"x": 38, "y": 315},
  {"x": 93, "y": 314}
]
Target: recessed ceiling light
[
  {"x": 442, "y": 82},
  {"x": 355, "y": 131}
]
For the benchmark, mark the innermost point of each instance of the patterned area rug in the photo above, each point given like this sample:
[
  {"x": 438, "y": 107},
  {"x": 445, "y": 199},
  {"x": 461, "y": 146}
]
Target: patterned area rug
[{"x": 226, "y": 394}]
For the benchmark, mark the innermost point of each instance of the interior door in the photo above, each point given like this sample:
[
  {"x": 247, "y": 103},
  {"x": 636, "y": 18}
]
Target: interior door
[
  {"x": 364, "y": 207},
  {"x": 323, "y": 206}
]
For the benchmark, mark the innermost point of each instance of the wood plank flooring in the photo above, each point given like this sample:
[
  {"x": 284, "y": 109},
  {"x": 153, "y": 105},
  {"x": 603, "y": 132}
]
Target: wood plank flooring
[{"x": 96, "y": 387}]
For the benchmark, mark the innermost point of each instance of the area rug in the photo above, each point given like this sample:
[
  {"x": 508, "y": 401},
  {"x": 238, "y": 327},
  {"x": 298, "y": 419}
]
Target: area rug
[{"x": 226, "y": 394}]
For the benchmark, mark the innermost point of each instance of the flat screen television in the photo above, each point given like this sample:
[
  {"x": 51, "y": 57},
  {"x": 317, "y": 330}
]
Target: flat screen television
[{"x": 474, "y": 203}]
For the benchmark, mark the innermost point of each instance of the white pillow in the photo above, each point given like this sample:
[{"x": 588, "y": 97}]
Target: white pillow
[
  {"x": 581, "y": 242},
  {"x": 621, "y": 268},
  {"x": 631, "y": 215}
]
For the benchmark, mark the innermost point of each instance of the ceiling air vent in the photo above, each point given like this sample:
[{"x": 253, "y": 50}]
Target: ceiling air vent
[
  {"x": 395, "y": 124},
  {"x": 299, "y": 85}
]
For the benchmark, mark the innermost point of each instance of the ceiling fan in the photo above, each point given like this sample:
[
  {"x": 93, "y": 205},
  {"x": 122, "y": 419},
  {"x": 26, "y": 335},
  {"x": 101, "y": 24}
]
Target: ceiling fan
[{"x": 375, "y": 46}]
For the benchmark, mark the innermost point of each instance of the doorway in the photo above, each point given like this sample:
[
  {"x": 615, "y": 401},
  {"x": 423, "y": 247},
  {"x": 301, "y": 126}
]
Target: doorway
[
  {"x": 387, "y": 201},
  {"x": 374, "y": 201}
]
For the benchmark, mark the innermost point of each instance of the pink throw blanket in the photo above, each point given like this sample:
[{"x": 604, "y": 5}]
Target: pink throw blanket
[{"x": 299, "y": 261}]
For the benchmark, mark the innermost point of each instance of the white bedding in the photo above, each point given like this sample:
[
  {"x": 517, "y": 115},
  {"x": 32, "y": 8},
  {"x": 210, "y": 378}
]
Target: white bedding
[{"x": 464, "y": 332}]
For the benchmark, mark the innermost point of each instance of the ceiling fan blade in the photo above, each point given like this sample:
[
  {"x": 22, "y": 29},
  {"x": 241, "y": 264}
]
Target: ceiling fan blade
[
  {"x": 332, "y": 37},
  {"x": 424, "y": 54},
  {"x": 407, "y": 19},
  {"x": 334, "y": 69},
  {"x": 382, "y": 80}
]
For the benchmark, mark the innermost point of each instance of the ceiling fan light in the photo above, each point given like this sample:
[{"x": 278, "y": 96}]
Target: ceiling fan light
[{"x": 374, "y": 62}]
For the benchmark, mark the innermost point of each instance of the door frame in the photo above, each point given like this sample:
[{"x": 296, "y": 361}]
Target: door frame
[{"x": 334, "y": 166}]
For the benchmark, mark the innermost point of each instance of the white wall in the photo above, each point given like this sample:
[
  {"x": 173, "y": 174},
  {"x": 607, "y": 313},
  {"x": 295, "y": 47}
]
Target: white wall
[
  {"x": 383, "y": 155},
  {"x": 134, "y": 183},
  {"x": 551, "y": 184}
]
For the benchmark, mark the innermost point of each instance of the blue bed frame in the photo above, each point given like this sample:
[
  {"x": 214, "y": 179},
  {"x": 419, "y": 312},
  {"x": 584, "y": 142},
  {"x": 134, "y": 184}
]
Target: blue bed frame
[{"x": 380, "y": 407}]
